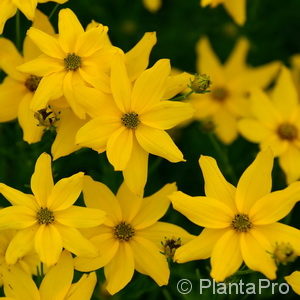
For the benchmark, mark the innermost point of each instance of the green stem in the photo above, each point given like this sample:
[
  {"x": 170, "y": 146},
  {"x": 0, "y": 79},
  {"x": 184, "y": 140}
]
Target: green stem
[
  {"x": 224, "y": 158},
  {"x": 53, "y": 11},
  {"x": 18, "y": 33},
  {"x": 183, "y": 97}
]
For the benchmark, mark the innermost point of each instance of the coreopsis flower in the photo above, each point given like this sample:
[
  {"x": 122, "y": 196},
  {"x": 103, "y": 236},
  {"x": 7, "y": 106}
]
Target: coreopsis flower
[
  {"x": 130, "y": 238},
  {"x": 57, "y": 283},
  {"x": 294, "y": 281},
  {"x": 8, "y": 9},
  {"x": 29, "y": 262},
  {"x": 274, "y": 123},
  {"x": 241, "y": 223},
  {"x": 132, "y": 123},
  {"x": 47, "y": 220},
  {"x": 235, "y": 8},
  {"x": 18, "y": 89},
  {"x": 152, "y": 5},
  {"x": 69, "y": 59},
  {"x": 231, "y": 83}
]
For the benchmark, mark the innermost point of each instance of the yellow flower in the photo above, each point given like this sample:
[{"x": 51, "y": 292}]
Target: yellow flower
[
  {"x": 152, "y": 5},
  {"x": 235, "y": 8},
  {"x": 131, "y": 236},
  {"x": 72, "y": 58},
  {"x": 47, "y": 220},
  {"x": 275, "y": 123},
  {"x": 18, "y": 89},
  {"x": 231, "y": 83},
  {"x": 29, "y": 262},
  {"x": 240, "y": 223},
  {"x": 8, "y": 9},
  {"x": 294, "y": 281},
  {"x": 57, "y": 284},
  {"x": 133, "y": 123}
]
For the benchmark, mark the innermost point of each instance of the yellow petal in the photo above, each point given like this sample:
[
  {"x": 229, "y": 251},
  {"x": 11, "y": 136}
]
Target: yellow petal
[
  {"x": 129, "y": 202},
  {"x": 65, "y": 192},
  {"x": 47, "y": 44},
  {"x": 253, "y": 130},
  {"x": 149, "y": 260},
  {"x": 119, "y": 271},
  {"x": 216, "y": 185},
  {"x": 226, "y": 257},
  {"x": 10, "y": 58},
  {"x": 83, "y": 289},
  {"x": 69, "y": 29},
  {"x": 150, "y": 86},
  {"x": 20, "y": 245},
  {"x": 119, "y": 148},
  {"x": 120, "y": 84},
  {"x": 135, "y": 173},
  {"x": 275, "y": 206},
  {"x": 289, "y": 162},
  {"x": 11, "y": 94},
  {"x": 75, "y": 242},
  {"x": 41, "y": 180},
  {"x": 203, "y": 211},
  {"x": 98, "y": 195},
  {"x": 31, "y": 132},
  {"x": 27, "y": 7},
  {"x": 158, "y": 142},
  {"x": 108, "y": 247},
  {"x": 167, "y": 114},
  {"x": 152, "y": 5},
  {"x": 80, "y": 217},
  {"x": 16, "y": 217},
  {"x": 137, "y": 58},
  {"x": 294, "y": 281},
  {"x": 58, "y": 279},
  {"x": 64, "y": 142},
  {"x": 237, "y": 10},
  {"x": 255, "y": 182},
  {"x": 275, "y": 143},
  {"x": 48, "y": 244},
  {"x": 8, "y": 10},
  {"x": 154, "y": 207},
  {"x": 256, "y": 253},
  {"x": 50, "y": 87},
  {"x": 200, "y": 247}
]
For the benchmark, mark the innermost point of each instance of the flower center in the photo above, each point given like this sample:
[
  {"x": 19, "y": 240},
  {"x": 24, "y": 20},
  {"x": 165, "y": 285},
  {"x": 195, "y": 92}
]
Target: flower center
[
  {"x": 130, "y": 120},
  {"x": 241, "y": 223},
  {"x": 287, "y": 131},
  {"x": 220, "y": 94},
  {"x": 123, "y": 231},
  {"x": 72, "y": 62},
  {"x": 46, "y": 117},
  {"x": 284, "y": 253},
  {"x": 170, "y": 246},
  {"x": 45, "y": 216},
  {"x": 32, "y": 82}
]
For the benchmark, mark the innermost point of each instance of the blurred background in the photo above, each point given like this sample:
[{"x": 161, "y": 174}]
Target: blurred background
[{"x": 272, "y": 28}]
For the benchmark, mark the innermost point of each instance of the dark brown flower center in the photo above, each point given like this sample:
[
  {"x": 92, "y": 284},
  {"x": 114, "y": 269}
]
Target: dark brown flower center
[
  {"x": 219, "y": 94},
  {"x": 241, "y": 223},
  {"x": 45, "y": 216},
  {"x": 32, "y": 82},
  {"x": 46, "y": 117},
  {"x": 130, "y": 120},
  {"x": 72, "y": 62},
  {"x": 170, "y": 245},
  {"x": 123, "y": 232},
  {"x": 287, "y": 131}
]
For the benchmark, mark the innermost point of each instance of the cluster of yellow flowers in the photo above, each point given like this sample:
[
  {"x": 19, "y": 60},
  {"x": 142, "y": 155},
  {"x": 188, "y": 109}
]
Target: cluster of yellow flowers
[{"x": 94, "y": 95}]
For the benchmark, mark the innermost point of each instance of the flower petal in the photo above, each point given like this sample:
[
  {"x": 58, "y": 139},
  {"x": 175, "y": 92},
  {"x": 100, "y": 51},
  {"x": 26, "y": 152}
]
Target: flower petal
[
  {"x": 27, "y": 7},
  {"x": 237, "y": 9},
  {"x": 16, "y": 217},
  {"x": 158, "y": 142},
  {"x": 293, "y": 280},
  {"x": 216, "y": 185},
  {"x": 65, "y": 192},
  {"x": 154, "y": 207},
  {"x": 119, "y": 271},
  {"x": 203, "y": 211},
  {"x": 48, "y": 244},
  {"x": 8, "y": 10},
  {"x": 275, "y": 206},
  {"x": 255, "y": 182},
  {"x": 226, "y": 257},
  {"x": 289, "y": 161}
]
